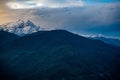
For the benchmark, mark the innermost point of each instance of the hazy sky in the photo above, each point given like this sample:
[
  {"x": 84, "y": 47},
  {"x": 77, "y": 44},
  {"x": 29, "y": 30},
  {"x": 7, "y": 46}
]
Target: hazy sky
[{"x": 87, "y": 16}]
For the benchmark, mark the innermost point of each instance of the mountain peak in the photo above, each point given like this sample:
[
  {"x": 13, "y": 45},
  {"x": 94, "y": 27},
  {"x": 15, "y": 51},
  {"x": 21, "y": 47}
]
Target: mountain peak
[
  {"x": 20, "y": 27},
  {"x": 20, "y": 20},
  {"x": 28, "y": 21}
]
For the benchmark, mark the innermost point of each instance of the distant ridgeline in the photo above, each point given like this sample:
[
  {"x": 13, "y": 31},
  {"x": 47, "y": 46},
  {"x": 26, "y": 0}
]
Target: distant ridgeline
[{"x": 57, "y": 55}]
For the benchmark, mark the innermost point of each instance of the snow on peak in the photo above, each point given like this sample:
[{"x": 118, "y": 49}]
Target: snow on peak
[
  {"x": 21, "y": 27},
  {"x": 97, "y": 36}
]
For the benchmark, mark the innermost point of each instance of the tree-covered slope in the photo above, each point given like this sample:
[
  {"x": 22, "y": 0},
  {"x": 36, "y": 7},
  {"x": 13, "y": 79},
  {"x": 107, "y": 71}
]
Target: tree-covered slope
[
  {"x": 59, "y": 55},
  {"x": 6, "y": 37}
]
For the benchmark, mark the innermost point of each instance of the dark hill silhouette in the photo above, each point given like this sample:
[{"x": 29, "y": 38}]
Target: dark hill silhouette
[
  {"x": 6, "y": 36},
  {"x": 59, "y": 55}
]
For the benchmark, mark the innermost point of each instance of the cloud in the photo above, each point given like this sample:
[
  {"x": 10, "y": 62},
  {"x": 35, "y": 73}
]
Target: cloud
[
  {"x": 100, "y": 19},
  {"x": 26, "y": 4}
]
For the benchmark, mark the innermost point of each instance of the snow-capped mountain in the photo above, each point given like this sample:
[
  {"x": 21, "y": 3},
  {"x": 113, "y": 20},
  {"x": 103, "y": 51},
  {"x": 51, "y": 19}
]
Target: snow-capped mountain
[
  {"x": 113, "y": 41},
  {"x": 105, "y": 39},
  {"x": 20, "y": 27}
]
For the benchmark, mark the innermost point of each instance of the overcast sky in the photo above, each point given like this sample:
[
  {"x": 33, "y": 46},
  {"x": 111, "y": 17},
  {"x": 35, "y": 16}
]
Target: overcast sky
[{"x": 84, "y": 16}]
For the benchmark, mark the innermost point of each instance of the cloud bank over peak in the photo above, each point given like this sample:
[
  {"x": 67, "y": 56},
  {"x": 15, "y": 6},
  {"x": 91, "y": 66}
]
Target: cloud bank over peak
[
  {"x": 26, "y": 4},
  {"x": 84, "y": 16}
]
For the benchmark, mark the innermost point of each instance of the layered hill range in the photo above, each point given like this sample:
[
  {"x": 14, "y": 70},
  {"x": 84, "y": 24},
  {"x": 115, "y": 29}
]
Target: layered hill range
[
  {"x": 57, "y": 55},
  {"x": 25, "y": 27}
]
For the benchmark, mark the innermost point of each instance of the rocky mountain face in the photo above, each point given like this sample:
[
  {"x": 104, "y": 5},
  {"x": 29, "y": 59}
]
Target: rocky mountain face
[{"x": 20, "y": 27}]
